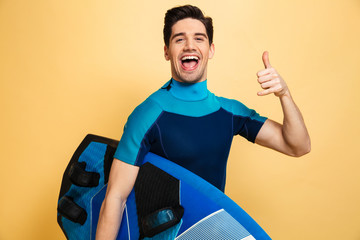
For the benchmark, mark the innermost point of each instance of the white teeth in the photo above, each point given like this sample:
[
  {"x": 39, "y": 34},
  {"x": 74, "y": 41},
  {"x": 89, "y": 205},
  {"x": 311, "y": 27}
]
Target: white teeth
[{"x": 189, "y": 58}]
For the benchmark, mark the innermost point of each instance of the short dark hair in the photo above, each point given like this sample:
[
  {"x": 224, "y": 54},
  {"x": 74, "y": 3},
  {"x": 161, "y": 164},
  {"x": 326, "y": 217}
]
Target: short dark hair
[{"x": 187, "y": 11}]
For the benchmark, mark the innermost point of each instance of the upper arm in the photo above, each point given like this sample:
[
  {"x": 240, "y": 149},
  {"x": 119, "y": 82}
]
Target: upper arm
[
  {"x": 246, "y": 121},
  {"x": 270, "y": 135},
  {"x": 134, "y": 143},
  {"x": 121, "y": 179}
]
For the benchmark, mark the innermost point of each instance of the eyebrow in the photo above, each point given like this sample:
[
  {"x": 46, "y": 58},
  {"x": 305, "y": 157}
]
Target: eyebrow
[
  {"x": 201, "y": 34},
  {"x": 183, "y": 34}
]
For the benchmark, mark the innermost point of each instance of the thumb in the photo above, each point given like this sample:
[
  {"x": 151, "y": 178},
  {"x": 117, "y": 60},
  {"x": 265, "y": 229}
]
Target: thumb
[{"x": 265, "y": 58}]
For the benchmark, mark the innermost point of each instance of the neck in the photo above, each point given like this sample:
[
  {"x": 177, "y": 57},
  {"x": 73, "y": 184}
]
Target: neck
[{"x": 189, "y": 91}]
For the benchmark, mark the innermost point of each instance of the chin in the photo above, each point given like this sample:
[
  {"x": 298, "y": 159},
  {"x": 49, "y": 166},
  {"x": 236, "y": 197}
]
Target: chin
[{"x": 191, "y": 79}]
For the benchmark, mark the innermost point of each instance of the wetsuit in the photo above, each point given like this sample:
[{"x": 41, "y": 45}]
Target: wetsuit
[{"x": 190, "y": 126}]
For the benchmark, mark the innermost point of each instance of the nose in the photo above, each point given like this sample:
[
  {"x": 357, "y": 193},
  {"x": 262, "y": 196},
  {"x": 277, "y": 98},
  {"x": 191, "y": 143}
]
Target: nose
[{"x": 189, "y": 45}]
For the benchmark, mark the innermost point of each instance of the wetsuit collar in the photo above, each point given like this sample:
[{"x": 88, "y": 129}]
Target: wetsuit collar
[{"x": 189, "y": 91}]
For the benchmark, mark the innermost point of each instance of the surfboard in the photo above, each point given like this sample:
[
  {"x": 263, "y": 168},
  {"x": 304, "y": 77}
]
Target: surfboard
[{"x": 167, "y": 202}]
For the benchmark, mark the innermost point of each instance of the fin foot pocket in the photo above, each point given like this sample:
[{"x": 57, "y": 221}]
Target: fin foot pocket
[
  {"x": 70, "y": 210},
  {"x": 161, "y": 220},
  {"x": 82, "y": 178}
]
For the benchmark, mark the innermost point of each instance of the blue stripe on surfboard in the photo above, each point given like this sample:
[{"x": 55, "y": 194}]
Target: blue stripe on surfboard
[
  {"x": 205, "y": 219},
  {"x": 197, "y": 205},
  {"x": 210, "y": 191},
  {"x": 131, "y": 216}
]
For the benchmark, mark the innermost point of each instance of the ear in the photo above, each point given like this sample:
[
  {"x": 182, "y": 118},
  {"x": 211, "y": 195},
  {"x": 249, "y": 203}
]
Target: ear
[
  {"x": 166, "y": 54},
  {"x": 211, "y": 51}
]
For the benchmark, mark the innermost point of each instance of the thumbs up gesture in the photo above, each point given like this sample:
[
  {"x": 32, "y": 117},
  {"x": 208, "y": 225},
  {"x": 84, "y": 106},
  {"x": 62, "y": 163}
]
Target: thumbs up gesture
[{"x": 270, "y": 80}]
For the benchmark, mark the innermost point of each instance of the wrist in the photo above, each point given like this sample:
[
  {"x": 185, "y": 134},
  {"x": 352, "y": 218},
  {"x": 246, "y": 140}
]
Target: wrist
[{"x": 285, "y": 94}]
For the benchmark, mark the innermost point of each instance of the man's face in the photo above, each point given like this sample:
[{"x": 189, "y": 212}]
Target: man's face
[{"x": 189, "y": 51}]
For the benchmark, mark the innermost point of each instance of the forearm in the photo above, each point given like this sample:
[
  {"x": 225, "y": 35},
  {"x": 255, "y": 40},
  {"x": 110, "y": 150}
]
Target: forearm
[
  {"x": 291, "y": 137},
  {"x": 110, "y": 218},
  {"x": 294, "y": 130}
]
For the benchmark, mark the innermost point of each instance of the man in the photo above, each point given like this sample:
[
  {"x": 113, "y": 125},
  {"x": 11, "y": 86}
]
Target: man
[{"x": 189, "y": 125}]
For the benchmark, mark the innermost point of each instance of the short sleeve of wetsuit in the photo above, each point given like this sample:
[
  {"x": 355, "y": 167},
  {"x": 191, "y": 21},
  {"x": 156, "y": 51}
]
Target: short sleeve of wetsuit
[
  {"x": 246, "y": 122},
  {"x": 136, "y": 139}
]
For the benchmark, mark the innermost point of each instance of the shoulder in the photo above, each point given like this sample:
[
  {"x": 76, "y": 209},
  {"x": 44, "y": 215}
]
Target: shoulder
[
  {"x": 239, "y": 109},
  {"x": 234, "y": 106},
  {"x": 161, "y": 98},
  {"x": 153, "y": 105},
  {"x": 147, "y": 111}
]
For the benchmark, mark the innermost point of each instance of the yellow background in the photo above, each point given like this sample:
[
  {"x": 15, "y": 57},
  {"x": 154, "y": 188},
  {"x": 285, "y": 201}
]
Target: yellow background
[{"x": 68, "y": 68}]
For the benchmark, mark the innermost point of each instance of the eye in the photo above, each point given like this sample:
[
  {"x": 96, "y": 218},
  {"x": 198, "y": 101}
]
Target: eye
[
  {"x": 199, "y": 39},
  {"x": 179, "y": 40}
]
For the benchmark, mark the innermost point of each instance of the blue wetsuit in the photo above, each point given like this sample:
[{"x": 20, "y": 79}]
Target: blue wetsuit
[{"x": 190, "y": 126}]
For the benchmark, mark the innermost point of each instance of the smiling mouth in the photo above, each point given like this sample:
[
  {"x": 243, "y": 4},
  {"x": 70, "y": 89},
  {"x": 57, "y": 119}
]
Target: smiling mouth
[{"x": 189, "y": 63}]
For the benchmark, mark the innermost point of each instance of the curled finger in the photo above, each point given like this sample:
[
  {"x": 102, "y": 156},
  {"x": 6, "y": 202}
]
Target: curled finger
[
  {"x": 264, "y": 72},
  {"x": 266, "y": 78}
]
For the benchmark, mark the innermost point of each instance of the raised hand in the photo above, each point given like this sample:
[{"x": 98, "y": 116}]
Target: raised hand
[{"x": 270, "y": 80}]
